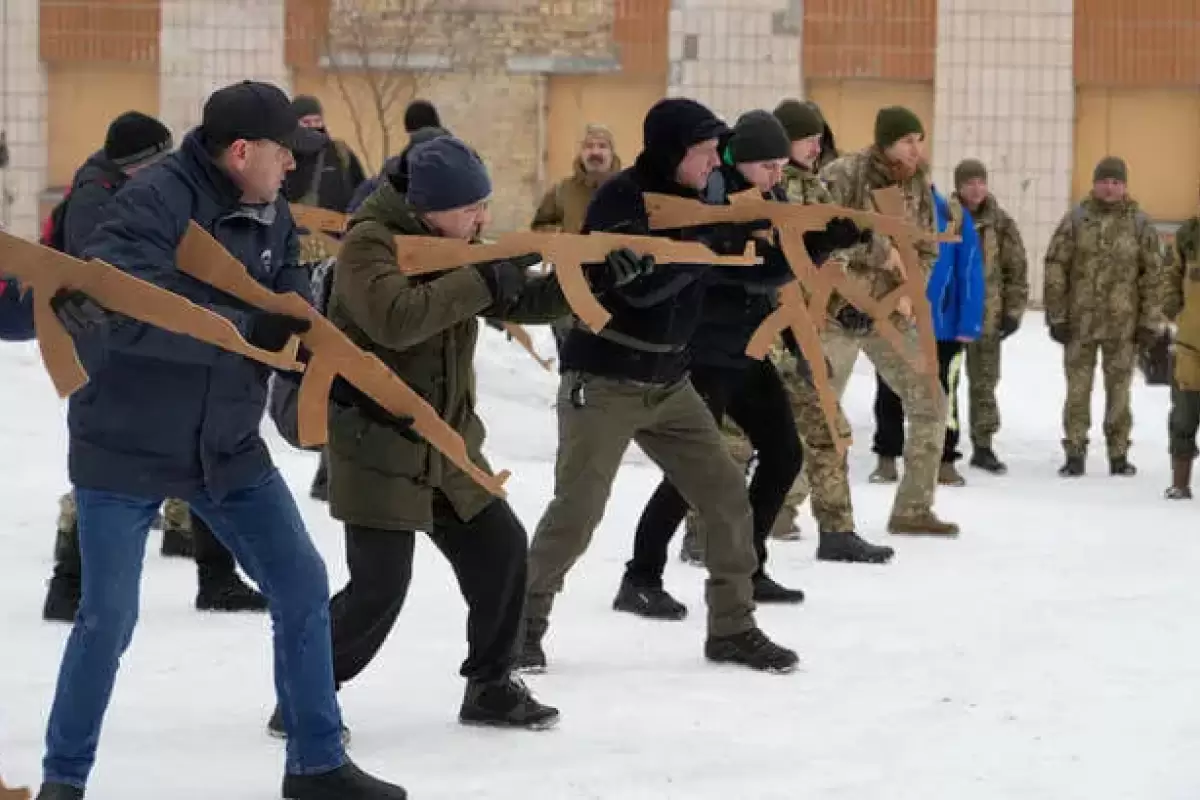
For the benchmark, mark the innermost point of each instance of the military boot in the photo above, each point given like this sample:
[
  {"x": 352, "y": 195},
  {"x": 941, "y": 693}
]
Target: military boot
[
  {"x": 885, "y": 471},
  {"x": 652, "y": 602},
  {"x": 948, "y": 475},
  {"x": 177, "y": 543},
  {"x": 851, "y": 548},
  {"x": 347, "y": 782},
  {"x": 1181, "y": 479},
  {"x": 1121, "y": 466},
  {"x": 751, "y": 649},
  {"x": 924, "y": 523},
  {"x": 984, "y": 458},
  {"x": 505, "y": 703},
  {"x": 530, "y": 657},
  {"x": 690, "y": 549},
  {"x": 1073, "y": 467},
  {"x": 228, "y": 592},
  {"x": 58, "y": 791},
  {"x": 768, "y": 590}
]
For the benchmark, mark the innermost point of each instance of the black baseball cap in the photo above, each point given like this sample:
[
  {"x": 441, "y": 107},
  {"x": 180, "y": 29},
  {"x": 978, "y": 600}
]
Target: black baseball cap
[{"x": 256, "y": 111}]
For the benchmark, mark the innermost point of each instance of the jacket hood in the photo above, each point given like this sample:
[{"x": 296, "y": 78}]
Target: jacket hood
[
  {"x": 99, "y": 169},
  {"x": 387, "y": 207},
  {"x": 671, "y": 126},
  {"x": 210, "y": 178}
]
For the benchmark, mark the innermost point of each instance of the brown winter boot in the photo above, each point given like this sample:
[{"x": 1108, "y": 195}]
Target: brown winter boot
[
  {"x": 885, "y": 471},
  {"x": 922, "y": 523},
  {"x": 1181, "y": 479},
  {"x": 948, "y": 475}
]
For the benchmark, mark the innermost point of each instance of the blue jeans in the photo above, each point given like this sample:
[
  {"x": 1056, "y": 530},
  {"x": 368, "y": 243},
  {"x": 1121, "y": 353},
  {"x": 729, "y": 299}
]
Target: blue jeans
[{"x": 262, "y": 527}]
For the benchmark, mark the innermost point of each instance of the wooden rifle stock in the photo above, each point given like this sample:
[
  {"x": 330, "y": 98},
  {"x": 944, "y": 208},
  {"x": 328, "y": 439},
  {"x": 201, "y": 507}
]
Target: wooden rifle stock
[
  {"x": 45, "y": 271},
  {"x": 332, "y": 354}
]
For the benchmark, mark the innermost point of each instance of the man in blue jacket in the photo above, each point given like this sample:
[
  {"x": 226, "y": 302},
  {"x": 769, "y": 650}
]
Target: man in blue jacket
[
  {"x": 168, "y": 416},
  {"x": 16, "y": 313},
  {"x": 956, "y": 294}
]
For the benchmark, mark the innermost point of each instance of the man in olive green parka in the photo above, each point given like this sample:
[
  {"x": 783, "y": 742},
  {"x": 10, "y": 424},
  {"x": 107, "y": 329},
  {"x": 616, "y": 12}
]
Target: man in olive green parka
[{"x": 384, "y": 484}]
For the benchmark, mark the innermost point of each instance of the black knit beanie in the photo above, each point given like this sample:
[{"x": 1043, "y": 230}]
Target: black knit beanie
[
  {"x": 1111, "y": 168},
  {"x": 135, "y": 138},
  {"x": 800, "y": 120},
  {"x": 758, "y": 136},
  {"x": 969, "y": 169},
  {"x": 306, "y": 105},
  {"x": 894, "y": 123},
  {"x": 421, "y": 114},
  {"x": 444, "y": 173}
]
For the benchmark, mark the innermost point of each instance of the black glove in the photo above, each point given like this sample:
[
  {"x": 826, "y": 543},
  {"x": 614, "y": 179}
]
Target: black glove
[
  {"x": 78, "y": 313},
  {"x": 347, "y": 395},
  {"x": 1060, "y": 332},
  {"x": 853, "y": 320},
  {"x": 1008, "y": 326},
  {"x": 505, "y": 279},
  {"x": 625, "y": 266},
  {"x": 1145, "y": 338},
  {"x": 273, "y": 331}
]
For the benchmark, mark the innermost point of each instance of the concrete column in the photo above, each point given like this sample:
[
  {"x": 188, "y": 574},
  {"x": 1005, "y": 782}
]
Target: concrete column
[
  {"x": 207, "y": 44},
  {"x": 1005, "y": 94},
  {"x": 22, "y": 117},
  {"x": 735, "y": 55}
]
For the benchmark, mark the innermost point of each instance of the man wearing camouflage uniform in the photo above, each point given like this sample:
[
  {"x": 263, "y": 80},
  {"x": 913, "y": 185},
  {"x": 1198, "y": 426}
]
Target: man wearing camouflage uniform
[
  {"x": 1181, "y": 303},
  {"x": 1103, "y": 271},
  {"x": 895, "y": 159},
  {"x": 1006, "y": 292}
]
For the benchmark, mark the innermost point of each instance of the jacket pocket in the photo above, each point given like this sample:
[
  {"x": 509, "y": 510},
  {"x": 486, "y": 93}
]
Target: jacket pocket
[{"x": 373, "y": 446}]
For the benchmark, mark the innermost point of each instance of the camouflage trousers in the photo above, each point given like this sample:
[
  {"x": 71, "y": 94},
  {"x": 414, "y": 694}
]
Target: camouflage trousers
[
  {"x": 176, "y": 515},
  {"x": 983, "y": 375},
  {"x": 925, "y": 410},
  {"x": 1079, "y": 362}
]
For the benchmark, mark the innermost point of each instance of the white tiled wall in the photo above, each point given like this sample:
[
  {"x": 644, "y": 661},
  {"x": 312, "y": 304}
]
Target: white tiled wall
[
  {"x": 207, "y": 44},
  {"x": 22, "y": 117},
  {"x": 1004, "y": 93},
  {"x": 741, "y": 63}
]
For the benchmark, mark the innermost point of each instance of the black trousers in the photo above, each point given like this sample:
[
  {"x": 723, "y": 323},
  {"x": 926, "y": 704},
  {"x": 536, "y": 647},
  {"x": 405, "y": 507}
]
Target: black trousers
[
  {"x": 754, "y": 397},
  {"x": 488, "y": 555},
  {"x": 889, "y": 411},
  {"x": 213, "y": 559}
]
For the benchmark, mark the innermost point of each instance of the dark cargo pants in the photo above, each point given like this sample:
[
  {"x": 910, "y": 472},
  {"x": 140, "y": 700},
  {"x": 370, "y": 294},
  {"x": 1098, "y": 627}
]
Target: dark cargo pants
[{"x": 597, "y": 419}]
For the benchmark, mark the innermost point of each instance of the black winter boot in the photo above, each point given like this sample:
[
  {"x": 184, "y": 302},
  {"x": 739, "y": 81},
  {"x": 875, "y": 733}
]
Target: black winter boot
[
  {"x": 276, "y": 730},
  {"x": 852, "y": 548},
  {"x": 59, "y": 791},
  {"x": 228, "y": 592},
  {"x": 1121, "y": 466},
  {"x": 347, "y": 782},
  {"x": 506, "y": 703},
  {"x": 1072, "y": 468},
  {"x": 62, "y": 596},
  {"x": 530, "y": 658},
  {"x": 177, "y": 543},
  {"x": 984, "y": 458},
  {"x": 652, "y": 602},
  {"x": 766, "y": 590},
  {"x": 751, "y": 649}
]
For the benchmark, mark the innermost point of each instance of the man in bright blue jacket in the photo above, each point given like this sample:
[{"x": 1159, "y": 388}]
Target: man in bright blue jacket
[
  {"x": 165, "y": 415},
  {"x": 956, "y": 294}
]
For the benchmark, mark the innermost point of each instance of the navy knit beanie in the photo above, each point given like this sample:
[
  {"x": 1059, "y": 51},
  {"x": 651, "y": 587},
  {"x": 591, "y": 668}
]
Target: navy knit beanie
[{"x": 445, "y": 173}]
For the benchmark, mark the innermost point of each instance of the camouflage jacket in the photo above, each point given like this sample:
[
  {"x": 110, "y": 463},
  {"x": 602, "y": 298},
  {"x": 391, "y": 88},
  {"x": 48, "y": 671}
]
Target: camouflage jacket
[
  {"x": 1005, "y": 267},
  {"x": 850, "y": 180},
  {"x": 1104, "y": 271}
]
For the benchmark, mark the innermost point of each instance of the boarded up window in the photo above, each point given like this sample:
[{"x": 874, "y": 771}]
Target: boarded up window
[{"x": 115, "y": 31}]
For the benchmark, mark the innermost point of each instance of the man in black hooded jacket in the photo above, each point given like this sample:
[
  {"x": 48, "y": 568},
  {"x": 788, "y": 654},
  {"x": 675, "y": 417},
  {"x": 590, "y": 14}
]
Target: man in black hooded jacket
[
  {"x": 730, "y": 382},
  {"x": 630, "y": 383}
]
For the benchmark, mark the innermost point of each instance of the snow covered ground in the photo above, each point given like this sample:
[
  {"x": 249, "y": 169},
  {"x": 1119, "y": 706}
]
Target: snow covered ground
[{"x": 1048, "y": 654}]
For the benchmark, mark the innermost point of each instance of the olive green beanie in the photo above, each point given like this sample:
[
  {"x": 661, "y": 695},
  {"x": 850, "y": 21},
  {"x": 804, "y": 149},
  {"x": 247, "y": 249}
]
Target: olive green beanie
[
  {"x": 1111, "y": 168},
  {"x": 969, "y": 169},
  {"x": 894, "y": 123},
  {"x": 800, "y": 120}
]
